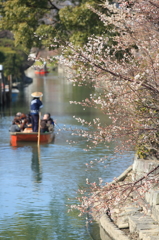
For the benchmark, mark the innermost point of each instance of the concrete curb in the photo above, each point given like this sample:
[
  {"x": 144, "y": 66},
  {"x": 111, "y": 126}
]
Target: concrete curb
[
  {"x": 140, "y": 225},
  {"x": 113, "y": 231},
  {"x": 109, "y": 227},
  {"x": 123, "y": 175}
]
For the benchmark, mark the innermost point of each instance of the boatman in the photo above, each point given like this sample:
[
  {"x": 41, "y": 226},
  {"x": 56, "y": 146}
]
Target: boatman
[
  {"x": 35, "y": 106},
  {"x": 45, "y": 66}
]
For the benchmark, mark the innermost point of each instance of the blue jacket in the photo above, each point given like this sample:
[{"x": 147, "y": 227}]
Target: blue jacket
[{"x": 35, "y": 105}]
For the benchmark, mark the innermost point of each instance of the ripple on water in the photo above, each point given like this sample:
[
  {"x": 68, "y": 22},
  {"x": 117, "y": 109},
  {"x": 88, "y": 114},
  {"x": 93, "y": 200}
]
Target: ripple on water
[{"x": 34, "y": 189}]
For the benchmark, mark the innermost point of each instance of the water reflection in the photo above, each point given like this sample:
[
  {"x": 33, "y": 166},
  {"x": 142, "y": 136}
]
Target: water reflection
[
  {"x": 36, "y": 164},
  {"x": 35, "y": 188}
]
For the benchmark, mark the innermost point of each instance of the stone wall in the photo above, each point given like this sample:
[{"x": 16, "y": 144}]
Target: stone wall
[{"x": 136, "y": 219}]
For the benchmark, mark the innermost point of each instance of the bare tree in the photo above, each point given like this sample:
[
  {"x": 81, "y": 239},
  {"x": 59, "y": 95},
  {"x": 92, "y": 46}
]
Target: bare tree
[{"x": 124, "y": 67}]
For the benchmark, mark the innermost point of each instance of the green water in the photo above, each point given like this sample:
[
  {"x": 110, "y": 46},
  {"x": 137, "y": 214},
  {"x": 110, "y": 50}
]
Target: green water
[{"x": 35, "y": 188}]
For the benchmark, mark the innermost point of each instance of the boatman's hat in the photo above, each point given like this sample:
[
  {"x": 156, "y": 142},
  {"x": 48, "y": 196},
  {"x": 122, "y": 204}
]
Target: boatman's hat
[{"x": 37, "y": 94}]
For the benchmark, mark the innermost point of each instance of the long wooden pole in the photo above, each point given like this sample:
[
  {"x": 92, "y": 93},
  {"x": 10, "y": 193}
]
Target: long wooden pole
[
  {"x": 38, "y": 145},
  {"x": 39, "y": 128},
  {"x": 39, "y": 125}
]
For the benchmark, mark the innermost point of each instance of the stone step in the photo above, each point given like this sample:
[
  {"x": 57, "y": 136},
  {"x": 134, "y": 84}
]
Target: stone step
[{"x": 145, "y": 226}]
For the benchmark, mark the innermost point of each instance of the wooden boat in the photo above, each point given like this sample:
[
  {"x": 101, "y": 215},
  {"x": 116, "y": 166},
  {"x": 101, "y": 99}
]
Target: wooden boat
[
  {"x": 42, "y": 72},
  {"x": 16, "y": 137}
]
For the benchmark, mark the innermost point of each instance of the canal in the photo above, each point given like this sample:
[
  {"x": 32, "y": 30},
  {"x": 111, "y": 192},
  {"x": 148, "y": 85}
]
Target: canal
[{"x": 37, "y": 188}]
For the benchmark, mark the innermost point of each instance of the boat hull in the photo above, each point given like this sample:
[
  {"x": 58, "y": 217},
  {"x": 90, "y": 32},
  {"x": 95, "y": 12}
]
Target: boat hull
[{"x": 16, "y": 137}]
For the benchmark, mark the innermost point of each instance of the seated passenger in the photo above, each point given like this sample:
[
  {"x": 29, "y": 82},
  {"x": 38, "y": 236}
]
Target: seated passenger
[
  {"x": 18, "y": 114},
  {"x": 50, "y": 125},
  {"x": 27, "y": 125},
  {"x": 47, "y": 117},
  {"x": 49, "y": 121},
  {"x": 43, "y": 127},
  {"x": 23, "y": 116},
  {"x": 15, "y": 127},
  {"x": 23, "y": 121}
]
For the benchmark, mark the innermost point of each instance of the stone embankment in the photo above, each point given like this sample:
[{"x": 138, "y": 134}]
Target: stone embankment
[{"x": 138, "y": 219}]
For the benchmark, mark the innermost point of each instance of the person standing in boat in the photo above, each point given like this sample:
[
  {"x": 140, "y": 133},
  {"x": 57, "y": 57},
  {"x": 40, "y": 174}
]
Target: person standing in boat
[
  {"x": 35, "y": 106},
  {"x": 45, "y": 66}
]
